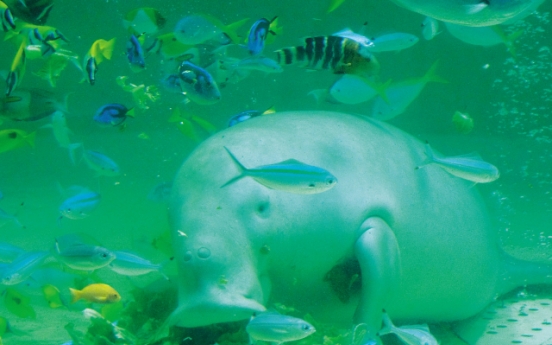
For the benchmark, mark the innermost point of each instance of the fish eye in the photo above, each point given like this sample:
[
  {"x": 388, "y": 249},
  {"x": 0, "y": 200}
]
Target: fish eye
[
  {"x": 305, "y": 327},
  {"x": 330, "y": 181}
]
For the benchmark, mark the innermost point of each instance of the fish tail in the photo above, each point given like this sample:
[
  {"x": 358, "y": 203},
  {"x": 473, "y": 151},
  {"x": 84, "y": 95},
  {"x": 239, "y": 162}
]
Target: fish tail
[
  {"x": 431, "y": 74},
  {"x": 430, "y": 156},
  {"x": 509, "y": 41},
  {"x": 106, "y": 48},
  {"x": 231, "y": 30},
  {"x": 380, "y": 88},
  {"x": 72, "y": 148},
  {"x": 274, "y": 29},
  {"x": 241, "y": 168},
  {"x": 387, "y": 325},
  {"x": 75, "y": 295},
  {"x": 30, "y": 139}
]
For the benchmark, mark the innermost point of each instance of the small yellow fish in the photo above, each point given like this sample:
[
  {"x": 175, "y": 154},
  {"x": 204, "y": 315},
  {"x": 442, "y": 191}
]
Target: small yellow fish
[
  {"x": 100, "y": 50},
  {"x": 17, "y": 70},
  {"x": 13, "y": 138},
  {"x": 55, "y": 64},
  {"x": 168, "y": 46},
  {"x": 18, "y": 303},
  {"x": 52, "y": 296},
  {"x": 96, "y": 293},
  {"x": 6, "y": 17},
  {"x": 144, "y": 20},
  {"x": 187, "y": 123},
  {"x": 142, "y": 94}
]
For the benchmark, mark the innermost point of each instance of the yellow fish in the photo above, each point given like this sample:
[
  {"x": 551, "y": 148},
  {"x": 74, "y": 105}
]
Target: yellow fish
[
  {"x": 96, "y": 293},
  {"x": 168, "y": 46},
  {"x": 144, "y": 20},
  {"x": 100, "y": 50},
  {"x": 6, "y": 17},
  {"x": 13, "y": 138},
  {"x": 52, "y": 296},
  {"x": 17, "y": 70}
]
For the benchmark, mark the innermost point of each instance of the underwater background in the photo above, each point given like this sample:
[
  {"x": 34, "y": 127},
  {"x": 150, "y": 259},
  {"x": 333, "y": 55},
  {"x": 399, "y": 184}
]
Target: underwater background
[{"x": 508, "y": 93}]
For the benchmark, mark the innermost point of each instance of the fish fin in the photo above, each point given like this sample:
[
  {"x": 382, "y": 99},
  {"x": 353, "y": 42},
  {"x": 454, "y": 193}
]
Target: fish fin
[
  {"x": 430, "y": 156},
  {"x": 270, "y": 110},
  {"x": 334, "y": 4},
  {"x": 473, "y": 9},
  {"x": 204, "y": 124},
  {"x": 291, "y": 161},
  {"x": 131, "y": 112},
  {"x": 72, "y": 148},
  {"x": 30, "y": 139},
  {"x": 509, "y": 41},
  {"x": 388, "y": 326},
  {"x": 432, "y": 76},
  {"x": 75, "y": 295},
  {"x": 241, "y": 168},
  {"x": 231, "y": 30}
]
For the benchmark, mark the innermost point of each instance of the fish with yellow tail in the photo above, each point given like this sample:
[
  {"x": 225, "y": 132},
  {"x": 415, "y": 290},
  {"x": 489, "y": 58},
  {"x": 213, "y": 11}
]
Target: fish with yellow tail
[
  {"x": 337, "y": 53},
  {"x": 100, "y": 50},
  {"x": 13, "y": 138},
  {"x": 17, "y": 70},
  {"x": 6, "y": 18},
  {"x": 96, "y": 293}
]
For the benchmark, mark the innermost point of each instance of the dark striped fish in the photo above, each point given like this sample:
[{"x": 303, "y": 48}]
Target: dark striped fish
[{"x": 340, "y": 54}]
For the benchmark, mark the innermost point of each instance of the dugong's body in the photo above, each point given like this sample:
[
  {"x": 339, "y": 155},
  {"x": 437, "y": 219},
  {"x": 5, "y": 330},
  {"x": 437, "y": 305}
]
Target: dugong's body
[
  {"x": 422, "y": 237},
  {"x": 469, "y": 12}
]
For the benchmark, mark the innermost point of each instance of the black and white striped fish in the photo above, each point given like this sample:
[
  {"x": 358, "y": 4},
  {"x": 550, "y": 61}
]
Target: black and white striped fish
[{"x": 340, "y": 54}]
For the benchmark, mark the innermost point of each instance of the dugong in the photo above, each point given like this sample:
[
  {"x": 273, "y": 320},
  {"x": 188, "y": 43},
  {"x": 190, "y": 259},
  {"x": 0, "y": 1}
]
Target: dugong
[
  {"x": 420, "y": 242},
  {"x": 470, "y": 12}
]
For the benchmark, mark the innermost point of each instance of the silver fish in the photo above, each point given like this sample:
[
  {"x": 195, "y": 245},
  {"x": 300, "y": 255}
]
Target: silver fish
[
  {"x": 290, "y": 176},
  {"x": 9, "y": 252},
  {"x": 469, "y": 167},
  {"x": 410, "y": 335},
  {"x": 100, "y": 163},
  {"x": 22, "y": 267},
  {"x": 81, "y": 256},
  {"x": 278, "y": 328},
  {"x": 80, "y": 204},
  {"x": 130, "y": 264}
]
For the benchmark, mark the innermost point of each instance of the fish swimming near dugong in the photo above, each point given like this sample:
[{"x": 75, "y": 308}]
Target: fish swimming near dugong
[{"x": 420, "y": 241}]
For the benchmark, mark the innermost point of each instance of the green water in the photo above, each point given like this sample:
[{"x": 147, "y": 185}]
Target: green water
[{"x": 509, "y": 98}]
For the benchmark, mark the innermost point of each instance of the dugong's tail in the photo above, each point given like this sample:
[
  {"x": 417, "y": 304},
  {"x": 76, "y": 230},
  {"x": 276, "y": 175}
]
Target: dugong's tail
[{"x": 516, "y": 273}]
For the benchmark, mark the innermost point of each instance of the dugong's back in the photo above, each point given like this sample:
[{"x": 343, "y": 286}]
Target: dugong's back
[{"x": 448, "y": 255}]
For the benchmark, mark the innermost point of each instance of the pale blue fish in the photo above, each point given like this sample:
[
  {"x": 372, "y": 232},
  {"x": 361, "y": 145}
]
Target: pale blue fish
[
  {"x": 62, "y": 132},
  {"x": 161, "y": 193},
  {"x": 9, "y": 252},
  {"x": 277, "y": 328},
  {"x": 354, "y": 89},
  {"x": 410, "y": 335},
  {"x": 401, "y": 94},
  {"x": 197, "y": 84},
  {"x": 357, "y": 37},
  {"x": 195, "y": 29},
  {"x": 144, "y": 20},
  {"x": 22, "y": 267},
  {"x": 101, "y": 164},
  {"x": 80, "y": 204},
  {"x": 289, "y": 176},
  {"x": 130, "y": 264},
  {"x": 469, "y": 167},
  {"x": 6, "y": 218},
  {"x": 254, "y": 63},
  {"x": 484, "y": 35},
  {"x": 430, "y": 28},
  {"x": 82, "y": 256},
  {"x": 393, "y": 42}
]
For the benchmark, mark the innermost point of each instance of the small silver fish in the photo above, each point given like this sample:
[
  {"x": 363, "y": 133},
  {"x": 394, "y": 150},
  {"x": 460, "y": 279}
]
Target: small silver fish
[
  {"x": 80, "y": 204},
  {"x": 393, "y": 42},
  {"x": 289, "y": 176},
  {"x": 278, "y": 328},
  {"x": 254, "y": 63},
  {"x": 411, "y": 334},
  {"x": 22, "y": 267},
  {"x": 469, "y": 167},
  {"x": 6, "y": 218},
  {"x": 81, "y": 256},
  {"x": 430, "y": 28},
  {"x": 130, "y": 264},
  {"x": 100, "y": 163}
]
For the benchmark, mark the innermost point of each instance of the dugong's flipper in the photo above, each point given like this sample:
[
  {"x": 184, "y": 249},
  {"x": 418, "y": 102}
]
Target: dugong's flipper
[{"x": 377, "y": 251}]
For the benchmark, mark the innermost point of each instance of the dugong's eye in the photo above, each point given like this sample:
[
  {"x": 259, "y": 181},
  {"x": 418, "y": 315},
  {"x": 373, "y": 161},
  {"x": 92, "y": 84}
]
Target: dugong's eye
[{"x": 263, "y": 209}]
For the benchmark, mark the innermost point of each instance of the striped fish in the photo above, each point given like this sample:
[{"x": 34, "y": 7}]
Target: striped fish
[{"x": 340, "y": 54}]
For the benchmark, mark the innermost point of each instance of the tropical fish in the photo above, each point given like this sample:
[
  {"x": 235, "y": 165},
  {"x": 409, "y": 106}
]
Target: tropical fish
[
  {"x": 135, "y": 54},
  {"x": 40, "y": 41},
  {"x": 142, "y": 94},
  {"x": 52, "y": 295},
  {"x": 100, "y": 163},
  {"x": 161, "y": 193},
  {"x": 357, "y": 37},
  {"x": 18, "y": 303},
  {"x": 80, "y": 204},
  {"x": 195, "y": 29},
  {"x": 113, "y": 114},
  {"x": 462, "y": 122},
  {"x": 277, "y": 328},
  {"x": 401, "y": 94},
  {"x": 334, "y": 4},
  {"x": 247, "y": 115},
  {"x": 410, "y": 335},
  {"x": 340, "y": 54},
  {"x": 31, "y": 104},
  {"x": 254, "y": 63},
  {"x": 289, "y": 176},
  {"x": 96, "y": 293},
  {"x": 353, "y": 89},
  {"x": 22, "y": 267},
  {"x": 9, "y": 252},
  {"x": 130, "y": 264},
  {"x": 13, "y": 138},
  {"x": 61, "y": 133},
  {"x": 187, "y": 123},
  {"x": 144, "y": 20},
  {"x": 259, "y": 33},
  {"x": 393, "y": 42},
  {"x": 17, "y": 70},
  {"x": 484, "y": 35},
  {"x": 31, "y": 11},
  {"x": 168, "y": 46},
  {"x": 82, "y": 256},
  {"x": 430, "y": 28},
  {"x": 100, "y": 50},
  {"x": 197, "y": 84},
  {"x": 470, "y": 167},
  {"x": 6, "y": 217},
  {"x": 55, "y": 64},
  {"x": 6, "y": 17}
]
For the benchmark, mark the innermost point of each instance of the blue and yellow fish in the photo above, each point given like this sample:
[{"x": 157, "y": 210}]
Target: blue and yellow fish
[
  {"x": 17, "y": 70},
  {"x": 100, "y": 50},
  {"x": 6, "y": 17},
  {"x": 259, "y": 33},
  {"x": 135, "y": 53}
]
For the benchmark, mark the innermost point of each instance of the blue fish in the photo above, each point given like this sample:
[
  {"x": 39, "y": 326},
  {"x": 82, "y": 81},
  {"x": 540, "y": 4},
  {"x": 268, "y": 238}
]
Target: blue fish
[
  {"x": 22, "y": 267},
  {"x": 198, "y": 85},
  {"x": 91, "y": 68},
  {"x": 6, "y": 18},
  {"x": 135, "y": 54},
  {"x": 113, "y": 114},
  {"x": 80, "y": 204},
  {"x": 248, "y": 114},
  {"x": 258, "y": 34},
  {"x": 102, "y": 164}
]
